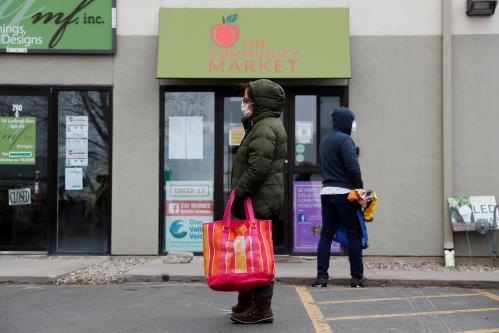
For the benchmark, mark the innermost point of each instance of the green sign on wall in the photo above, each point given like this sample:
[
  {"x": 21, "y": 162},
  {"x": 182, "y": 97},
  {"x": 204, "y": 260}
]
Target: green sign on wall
[
  {"x": 17, "y": 140},
  {"x": 254, "y": 43},
  {"x": 57, "y": 26}
]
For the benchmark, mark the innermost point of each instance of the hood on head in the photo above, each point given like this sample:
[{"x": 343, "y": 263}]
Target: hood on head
[
  {"x": 342, "y": 120},
  {"x": 268, "y": 98}
]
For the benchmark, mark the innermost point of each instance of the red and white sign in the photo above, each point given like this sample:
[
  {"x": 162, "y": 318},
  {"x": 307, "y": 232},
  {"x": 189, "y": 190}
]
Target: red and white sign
[{"x": 189, "y": 208}]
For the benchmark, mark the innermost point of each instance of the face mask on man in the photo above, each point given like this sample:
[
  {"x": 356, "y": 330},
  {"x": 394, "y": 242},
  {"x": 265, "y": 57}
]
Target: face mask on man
[
  {"x": 354, "y": 126},
  {"x": 245, "y": 109}
]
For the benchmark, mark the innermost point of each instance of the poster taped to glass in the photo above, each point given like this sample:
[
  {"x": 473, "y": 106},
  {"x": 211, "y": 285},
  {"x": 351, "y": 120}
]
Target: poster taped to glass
[
  {"x": 17, "y": 140},
  {"x": 188, "y": 205}
]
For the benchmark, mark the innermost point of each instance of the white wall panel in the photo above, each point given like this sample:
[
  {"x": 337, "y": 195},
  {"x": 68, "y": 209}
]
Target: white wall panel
[
  {"x": 367, "y": 17},
  {"x": 395, "y": 17}
]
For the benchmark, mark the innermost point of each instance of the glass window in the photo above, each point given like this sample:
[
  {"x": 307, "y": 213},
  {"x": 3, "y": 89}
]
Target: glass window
[
  {"x": 233, "y": 135},
  {"x": 327, "y": 106},
  {"x": 84, "y": 187},
  {"x": 23, "y": 172},
  {"x": 305, "y": 130},
  {"x": 189, "y": 160}
]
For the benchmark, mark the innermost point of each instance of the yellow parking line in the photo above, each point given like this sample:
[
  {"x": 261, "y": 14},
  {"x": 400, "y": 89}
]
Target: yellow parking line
[
  {"x": 366, "y": 300},
  {"x": 313, "y": 311},
  {"x": 487, "y": 330},
  {"x": 412, "y": 314},
  {"x": 492, "y": 296},
  {"x": 342, "y": 289}
]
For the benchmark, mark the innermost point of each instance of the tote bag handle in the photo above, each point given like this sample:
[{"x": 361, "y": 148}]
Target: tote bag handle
[{"x": 248, "y": 208}]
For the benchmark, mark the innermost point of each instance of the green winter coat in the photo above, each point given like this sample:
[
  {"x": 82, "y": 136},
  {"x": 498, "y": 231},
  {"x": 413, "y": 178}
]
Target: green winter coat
[{"x": 258, "y": 168}]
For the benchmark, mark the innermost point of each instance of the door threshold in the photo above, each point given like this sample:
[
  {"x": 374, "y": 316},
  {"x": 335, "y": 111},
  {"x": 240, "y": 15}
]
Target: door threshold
[{"x": 24, "y": 253}]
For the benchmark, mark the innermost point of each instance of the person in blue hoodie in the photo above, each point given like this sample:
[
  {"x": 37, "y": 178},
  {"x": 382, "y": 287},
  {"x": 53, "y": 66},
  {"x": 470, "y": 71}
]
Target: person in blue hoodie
[{"x": 340, "y": 171}]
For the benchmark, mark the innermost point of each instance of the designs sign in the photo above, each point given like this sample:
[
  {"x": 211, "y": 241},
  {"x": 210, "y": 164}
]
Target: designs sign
[{"x": 57, "y": 26}]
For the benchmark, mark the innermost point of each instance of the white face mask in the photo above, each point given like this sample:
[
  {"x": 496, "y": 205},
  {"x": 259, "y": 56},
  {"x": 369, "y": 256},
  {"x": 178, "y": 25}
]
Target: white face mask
[
  {"x": 245, "y": 109},
  {"x": 354, "y": 126}
]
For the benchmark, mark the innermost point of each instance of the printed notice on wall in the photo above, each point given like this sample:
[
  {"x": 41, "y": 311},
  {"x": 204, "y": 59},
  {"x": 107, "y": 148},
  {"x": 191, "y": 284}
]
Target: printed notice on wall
[
  {"x": 304, "y": 132},
  {"x": 74, "y": 179},
  {"x": 185, "y": 138},
  {"x": 76, "y": 141}
]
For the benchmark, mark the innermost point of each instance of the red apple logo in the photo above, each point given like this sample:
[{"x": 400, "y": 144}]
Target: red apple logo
[{"x": 225, "y": 34}]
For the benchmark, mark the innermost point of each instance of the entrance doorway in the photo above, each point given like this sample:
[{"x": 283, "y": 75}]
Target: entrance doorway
[
  {"x": 206, "y": 168},
  {"x": 23, "y": 170},
  {"x": 55, "y": 180},
  {"x": 309, "y": 122}
]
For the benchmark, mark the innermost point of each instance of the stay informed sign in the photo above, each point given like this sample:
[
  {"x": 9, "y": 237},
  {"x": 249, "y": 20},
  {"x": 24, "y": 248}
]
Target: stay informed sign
[{"x": 57, "y": 26}]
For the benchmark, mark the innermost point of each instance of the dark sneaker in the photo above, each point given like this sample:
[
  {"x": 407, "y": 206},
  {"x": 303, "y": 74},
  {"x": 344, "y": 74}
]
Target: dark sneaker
[
  {"x": 254, "y": 315},
  {"x": 319, "y": 283},
  {"x": 357, "y": 283}
]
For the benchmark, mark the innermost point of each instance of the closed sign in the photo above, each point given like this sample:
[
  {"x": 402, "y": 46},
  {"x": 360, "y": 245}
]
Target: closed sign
[{"x": 20, "y": 196}]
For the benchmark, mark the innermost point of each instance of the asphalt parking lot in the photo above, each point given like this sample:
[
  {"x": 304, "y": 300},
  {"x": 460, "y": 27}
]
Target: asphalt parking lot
[
  {"x": 401, "y": 309},
  {"x": 193, "y": 307}
]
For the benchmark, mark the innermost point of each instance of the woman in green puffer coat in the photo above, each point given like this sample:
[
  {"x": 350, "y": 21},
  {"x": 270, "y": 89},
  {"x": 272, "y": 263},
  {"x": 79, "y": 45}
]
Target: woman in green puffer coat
[{"x": 258, "y": 173}]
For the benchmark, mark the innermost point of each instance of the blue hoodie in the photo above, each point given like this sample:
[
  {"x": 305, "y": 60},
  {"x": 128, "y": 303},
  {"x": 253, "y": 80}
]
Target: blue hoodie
[{"x": 338, "y": 157}]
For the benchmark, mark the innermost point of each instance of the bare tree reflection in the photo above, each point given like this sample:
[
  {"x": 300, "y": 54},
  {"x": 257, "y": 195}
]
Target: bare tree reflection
[{"x": 84, "y": 215}]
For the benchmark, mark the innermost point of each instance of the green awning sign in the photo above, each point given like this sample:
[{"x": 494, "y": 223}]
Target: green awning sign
[
  {"x": 17, "y": 140},
  {"x": 57, "y": 26},
  {"x": 254, "y": 43}
]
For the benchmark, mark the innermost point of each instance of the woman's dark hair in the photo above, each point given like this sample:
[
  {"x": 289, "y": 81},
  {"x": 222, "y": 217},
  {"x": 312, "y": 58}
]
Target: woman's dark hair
[{"x": 245, "y": 86}]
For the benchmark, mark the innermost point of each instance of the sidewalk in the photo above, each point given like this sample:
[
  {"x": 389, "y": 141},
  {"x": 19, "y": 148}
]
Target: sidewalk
[
  {"x": 42, "y": 269},
  {"x": 303, "y": 272},
  {"x": 291, "y": 270}
]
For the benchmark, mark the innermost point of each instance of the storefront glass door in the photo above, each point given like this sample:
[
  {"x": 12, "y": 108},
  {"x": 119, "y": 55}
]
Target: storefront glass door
[
  {"x": 84, "y": 182},
  {"x": 312, "y": 122},
  {"x": 23, "y": 170},
  {"x": 202, "y": 131}
]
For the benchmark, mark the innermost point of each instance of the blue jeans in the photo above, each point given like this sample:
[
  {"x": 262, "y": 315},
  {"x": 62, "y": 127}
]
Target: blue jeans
[{"x": 335, "y": 208}]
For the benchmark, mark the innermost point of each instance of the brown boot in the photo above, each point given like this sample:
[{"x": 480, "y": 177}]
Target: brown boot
[
  {"x": 260, "y": 311},
  {"x": 244, "y": 301}
]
